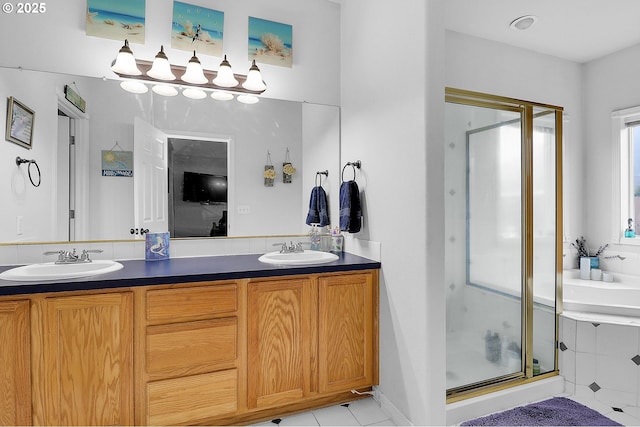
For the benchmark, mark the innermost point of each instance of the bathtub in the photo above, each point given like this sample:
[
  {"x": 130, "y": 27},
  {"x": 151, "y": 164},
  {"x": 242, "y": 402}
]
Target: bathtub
[{"x": 583, "y": 298}]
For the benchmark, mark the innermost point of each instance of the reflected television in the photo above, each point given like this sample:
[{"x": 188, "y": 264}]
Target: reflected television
[{"x": 204, "y": 188}]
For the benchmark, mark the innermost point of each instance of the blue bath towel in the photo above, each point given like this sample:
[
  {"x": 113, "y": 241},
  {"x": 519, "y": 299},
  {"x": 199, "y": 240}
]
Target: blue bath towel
[
  {"x": 350, "y": 209},
  {"x": 318, "y": 210}
]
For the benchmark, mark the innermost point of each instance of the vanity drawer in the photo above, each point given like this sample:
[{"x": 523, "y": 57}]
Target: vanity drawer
[
  {"x": 192, "y": 400},
  {"x": 194, "y": 303},
  {"x": 194, "y": 347}
]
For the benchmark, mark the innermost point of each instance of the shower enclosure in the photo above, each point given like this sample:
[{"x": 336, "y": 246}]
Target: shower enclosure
[{"x": 503, "y": 249}]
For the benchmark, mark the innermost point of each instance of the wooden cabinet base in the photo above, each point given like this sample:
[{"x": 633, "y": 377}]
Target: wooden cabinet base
[{"x": 290, "y": 409}]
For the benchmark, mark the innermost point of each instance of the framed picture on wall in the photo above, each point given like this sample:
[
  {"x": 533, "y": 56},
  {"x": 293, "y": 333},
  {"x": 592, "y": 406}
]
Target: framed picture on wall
[
  {"x": 270, "y": 42},
  {"x": 19, "y": 123}
]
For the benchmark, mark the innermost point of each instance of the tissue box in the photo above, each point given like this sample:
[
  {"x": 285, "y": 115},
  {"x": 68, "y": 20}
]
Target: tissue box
[{"x": 156, "y": 246}]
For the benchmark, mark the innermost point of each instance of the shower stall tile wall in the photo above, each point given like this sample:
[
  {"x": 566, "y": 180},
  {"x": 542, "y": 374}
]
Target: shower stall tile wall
[{"x": 601, "y": 361}]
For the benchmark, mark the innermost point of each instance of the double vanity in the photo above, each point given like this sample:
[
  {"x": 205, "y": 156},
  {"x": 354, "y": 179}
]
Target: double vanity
[{"x": 208, "y": 340}]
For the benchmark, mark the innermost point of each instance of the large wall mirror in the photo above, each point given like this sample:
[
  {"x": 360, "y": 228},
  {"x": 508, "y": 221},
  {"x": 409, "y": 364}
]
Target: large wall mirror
[{"x": 206, "y": 140}]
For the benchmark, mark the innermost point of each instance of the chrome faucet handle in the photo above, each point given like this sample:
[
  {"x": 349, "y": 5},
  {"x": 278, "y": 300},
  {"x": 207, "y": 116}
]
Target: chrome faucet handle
[
  {"x": 283, "y": 247},
  {"x": 60, "y": 254},
  {"x": 85, "y": 254}
]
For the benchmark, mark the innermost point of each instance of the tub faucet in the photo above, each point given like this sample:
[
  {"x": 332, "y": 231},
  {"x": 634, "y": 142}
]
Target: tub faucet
[{"x": 620, "y": 257}]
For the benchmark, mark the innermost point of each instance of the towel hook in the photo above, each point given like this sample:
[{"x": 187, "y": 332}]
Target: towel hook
[
  {"x": 319, "y": 174},
  {"x": 20, "y": 161},
  {"x": 354, "y": 165}
]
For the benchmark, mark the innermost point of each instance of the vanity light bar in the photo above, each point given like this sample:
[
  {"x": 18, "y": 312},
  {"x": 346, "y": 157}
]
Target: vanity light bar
[{"x": 178, "y": 70}]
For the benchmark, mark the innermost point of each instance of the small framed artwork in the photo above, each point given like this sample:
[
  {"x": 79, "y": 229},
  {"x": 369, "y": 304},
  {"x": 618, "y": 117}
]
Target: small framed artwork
[
  {"x": 19, "y": 123},
  {"x": 270, "y": 42}
]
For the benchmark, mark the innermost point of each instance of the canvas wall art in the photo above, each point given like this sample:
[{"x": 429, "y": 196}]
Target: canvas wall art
[
  {"x": 270, "y": 42},
  {"x": 197, "y": 28},
  {"x": 116, "y": 19}
]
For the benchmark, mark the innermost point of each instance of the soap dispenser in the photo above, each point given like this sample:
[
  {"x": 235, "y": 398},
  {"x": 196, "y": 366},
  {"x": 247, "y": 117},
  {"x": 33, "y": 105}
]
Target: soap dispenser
[
  {"x": 314, "y": 235},
  {"x": 629, "y": 232}
]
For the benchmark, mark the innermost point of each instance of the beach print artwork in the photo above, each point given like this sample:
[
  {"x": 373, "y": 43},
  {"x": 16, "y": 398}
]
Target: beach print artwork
[
  {"x": 197, "y": 28},
  {"x": 270, "y": 42},
  {"x": 116, "y": 19}
]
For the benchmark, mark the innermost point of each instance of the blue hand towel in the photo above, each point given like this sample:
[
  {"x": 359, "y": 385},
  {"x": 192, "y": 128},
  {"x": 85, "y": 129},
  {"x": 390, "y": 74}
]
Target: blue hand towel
[
  {"x": 350, "y": 210},
  {"x": 318, "y": 211}
]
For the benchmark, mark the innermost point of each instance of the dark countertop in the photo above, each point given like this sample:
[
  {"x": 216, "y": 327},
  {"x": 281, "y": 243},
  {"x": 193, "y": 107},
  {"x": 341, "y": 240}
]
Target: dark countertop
[{"x": 184, "y": 270}]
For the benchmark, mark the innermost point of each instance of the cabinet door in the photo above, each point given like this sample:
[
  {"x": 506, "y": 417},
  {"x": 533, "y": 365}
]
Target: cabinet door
[
  {"x": 15, "y": 358},
  {"x": 346, "y": 329},
  {"x": 88, "y": 349},
  {"x": 279, "y": 336}
]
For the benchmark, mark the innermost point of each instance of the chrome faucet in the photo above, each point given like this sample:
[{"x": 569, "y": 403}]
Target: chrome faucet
[
  {"x": 292, "y": 248},
  {"x": 71, "y": 257},
  {"x": 620, "y": 257}
]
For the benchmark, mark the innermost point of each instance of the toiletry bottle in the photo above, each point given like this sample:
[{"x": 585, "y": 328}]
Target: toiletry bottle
[
  {"x": 629, "y": 232},
  {"x": 314, "y": 236},
  {"x": 536, "y": 367}
]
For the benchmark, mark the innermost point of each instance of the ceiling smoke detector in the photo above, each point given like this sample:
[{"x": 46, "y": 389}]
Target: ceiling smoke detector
[{"x": 523, "y": 23}]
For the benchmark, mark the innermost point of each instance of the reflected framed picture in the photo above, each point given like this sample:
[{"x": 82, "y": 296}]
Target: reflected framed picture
[{"x": 19, "y": 123}]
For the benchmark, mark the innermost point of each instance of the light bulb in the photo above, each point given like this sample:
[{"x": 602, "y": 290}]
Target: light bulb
[
  {"x": 194, "y": 93},
  {"x": 194, "y": 73},
  {"x": 221, "y": 96},
  {"x": 134, "y": 86},
  {"x": 225, "y": 77},
  {"x": 165, "y": 90},
  {"x": 248, "y": 99},
  {"x": 254, "y": 79},
  {"x": 161, "y": 69},
  {"x": 125, "y": 62}
]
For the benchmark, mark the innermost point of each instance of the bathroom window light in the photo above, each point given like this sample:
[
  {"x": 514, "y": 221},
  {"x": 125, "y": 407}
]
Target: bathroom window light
[
  {"x": 194, "y": 73},
  {"x": 161, "y": 69},
  {"x": 225, "y": 77},
  {"x": 125, "y": 62},
  {"x": 165, "y": 90},
  {"x": 254, "y": 79}
]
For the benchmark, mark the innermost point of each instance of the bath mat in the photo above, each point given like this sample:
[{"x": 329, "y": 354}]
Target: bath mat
[{"x": 558, "y": 411}]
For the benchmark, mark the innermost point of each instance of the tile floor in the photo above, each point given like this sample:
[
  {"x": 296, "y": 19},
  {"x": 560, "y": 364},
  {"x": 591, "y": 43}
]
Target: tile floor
[{"x": 365, "y": 412}]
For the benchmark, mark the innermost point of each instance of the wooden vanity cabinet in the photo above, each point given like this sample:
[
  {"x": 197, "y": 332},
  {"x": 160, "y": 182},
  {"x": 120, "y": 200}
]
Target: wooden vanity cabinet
[
  {"x": 281, "y": 329},
  {"x": 83, "y": 359},
  {"x": 189, "y": 369},
  {"x": 347, "y": 332},
  {"x": 215, "y": 353},
  {"x": 15, "y": 376},
  {"x": 310, "y": 337}
]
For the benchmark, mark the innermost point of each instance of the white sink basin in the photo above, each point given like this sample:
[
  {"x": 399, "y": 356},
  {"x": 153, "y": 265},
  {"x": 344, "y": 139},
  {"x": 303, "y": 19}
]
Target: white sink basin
[
  {"x": 52, "y": 271},
  {"x": 298, "y": 258}
]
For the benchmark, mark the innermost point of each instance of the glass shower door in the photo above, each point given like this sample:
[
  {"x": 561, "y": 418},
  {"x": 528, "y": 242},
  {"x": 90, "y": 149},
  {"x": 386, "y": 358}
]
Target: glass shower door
[
  {"x": 484, "y": 312},
  {"x": 503, "y": 253}
]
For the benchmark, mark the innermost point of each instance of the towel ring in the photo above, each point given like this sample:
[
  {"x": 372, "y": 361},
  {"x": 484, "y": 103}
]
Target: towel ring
[
  {"x": 20, "y": 161},
  {"x": 354, "y": 165},
  {"x": 319, "y": 174}
]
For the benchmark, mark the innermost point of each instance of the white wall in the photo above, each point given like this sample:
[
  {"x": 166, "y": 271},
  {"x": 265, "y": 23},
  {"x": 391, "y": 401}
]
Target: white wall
[
  {"x": 396, "y": 130},
  {"x": 484, "y": 66},
  {"x": 610, "y": 83},
  {"x": 19, "y": 197},
  {"x": 56, "y": 40}
]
